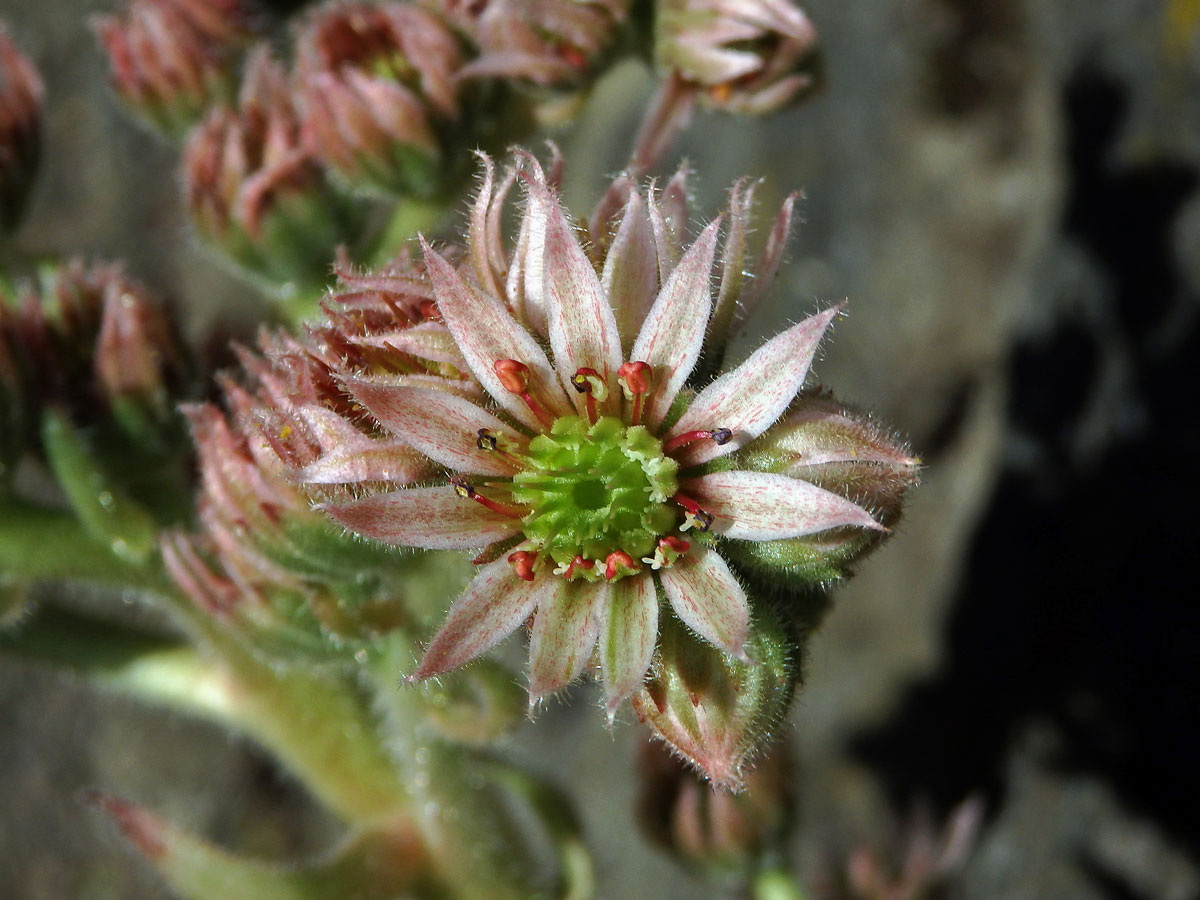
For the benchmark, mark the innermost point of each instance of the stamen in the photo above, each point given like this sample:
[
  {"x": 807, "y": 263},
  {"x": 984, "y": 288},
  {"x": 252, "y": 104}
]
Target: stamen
[
  {"x": 514, "y": 377},
  {"x": 669, "y": 549},
  {"x": 467, "y": 491},
  {"x": 429, "y": 311},
  {"x": 523, "y": 562},
  {"x": 635, "y": 379},
  {"x": 618, "y": 563},
  {"x": 485, "y": 440},
  {"x": 718, "y": 436},
  {"x": 571, "y": 570},
  {"x": 588, "y": 381},
  {"x": 696, "y": 517}
]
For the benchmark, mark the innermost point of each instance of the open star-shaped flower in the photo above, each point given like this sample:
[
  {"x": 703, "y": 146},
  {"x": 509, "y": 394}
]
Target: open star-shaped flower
[{"x": 595, "y": 480}]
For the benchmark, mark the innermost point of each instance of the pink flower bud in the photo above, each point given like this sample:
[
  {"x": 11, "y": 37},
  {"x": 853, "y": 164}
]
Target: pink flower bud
[
  {"x": 20, "y": 129},
  {"x": 379, "y": 93},
  {"x": 749, "y": 56},
  {"x": 547, "y": 43},
  {"x": 255, "y": 190},
  {"x": 170, "y": 60},
  {"x": 707, "y": 826}
]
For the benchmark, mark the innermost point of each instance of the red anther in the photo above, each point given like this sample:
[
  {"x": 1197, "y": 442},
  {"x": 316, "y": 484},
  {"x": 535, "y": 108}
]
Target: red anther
[
  {"x": 513, "y": 375},
  {"x": 719, "y": 436},
  {"x": 522, "y": 562},
  {"x": 670, "y": 542},
  {"x": 697, "y": 518},
  {"x": 429, "y": 310},
  {"x": 618, "y": 563},
  {"x": 636, "y": 377}
]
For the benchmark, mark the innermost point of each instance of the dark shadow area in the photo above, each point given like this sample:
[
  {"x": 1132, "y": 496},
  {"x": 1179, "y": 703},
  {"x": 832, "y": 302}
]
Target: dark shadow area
[{"x": 1080, "y": 599}]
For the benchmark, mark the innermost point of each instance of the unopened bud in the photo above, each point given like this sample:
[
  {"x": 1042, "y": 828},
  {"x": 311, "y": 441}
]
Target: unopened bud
[
  {"x": 841, "y": 450},
  {"x": 746, "y": 56},
  {"x": 258, "y": 194},
  {"x": 20, "y": 129},
  {"x": 710, "y": 827},
  {"x": 714, "y": 710},
  {"x": 170, "y": 60},
  {"x": 378, "y": 85}
]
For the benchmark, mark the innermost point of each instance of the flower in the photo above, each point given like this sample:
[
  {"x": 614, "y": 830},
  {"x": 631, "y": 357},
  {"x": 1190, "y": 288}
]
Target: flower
[{"x": 593, "y": 476}]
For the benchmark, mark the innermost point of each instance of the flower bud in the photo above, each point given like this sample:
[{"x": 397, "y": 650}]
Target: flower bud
[
  {"x": 20, "y": 129},
  {"x": 709, "y": 827},
  {"x": 256, "y": 192},
  {"x": 548, "y": 44},
  {"x": 715, "y": 711},
  {"x": 170, "y": 60},
  {"x": 379, "y": 94},
  {"x": 842, "y": 450},
  {"x": 746, "y": 56}
]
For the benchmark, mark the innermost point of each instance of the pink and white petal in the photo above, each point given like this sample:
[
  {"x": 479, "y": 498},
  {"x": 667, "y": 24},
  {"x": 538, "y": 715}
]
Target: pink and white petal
[
  {"x": 443, "y": 426},
  {"x": 493, "y": 605},
  {"x": 669, "y": 219},
  {"x": 487, "y": 332},
  {"x": 564, "y": 636},
  {"x": 627, "y": 638},
  {"x": 630, "y": 277},
  {"x": 429, "y": 340},
  {"x": 749, "y": 399},
  {"x": 673, "y": 331},
  {"x": 763, "y": 506},
  {"x": 432, "y": 518},
  {"x": 709, "y": 600},
  {"x": 477, "y": 231},
  {"x": 583, "y": 329},
  {"x": 372, "y": 460}
]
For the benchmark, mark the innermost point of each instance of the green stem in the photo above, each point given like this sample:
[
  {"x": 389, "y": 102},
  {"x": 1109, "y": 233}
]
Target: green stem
[{"x": 39, "y": 544}]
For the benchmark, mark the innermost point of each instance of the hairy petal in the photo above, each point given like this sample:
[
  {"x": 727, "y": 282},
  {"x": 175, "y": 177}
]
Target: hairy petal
[
  {"x": 768, "y": 262},
  {"x": 487, "y": 332},
  {"x": 583, "y": 330},
  {"x": 443, "y": 426},
  {"x": 493, "y": 605},
  {"x": 762, "y": 506},
  {"x": 709, "y": 600},
  {"x": 564, "y": 636},
  {"x": 630, "y": 277},
  {"x": 749, "y": 399},
  {"x": 432, "y": 518},
  {"x": 627, "y": 638},
  {"x": 673, "y": 332}
]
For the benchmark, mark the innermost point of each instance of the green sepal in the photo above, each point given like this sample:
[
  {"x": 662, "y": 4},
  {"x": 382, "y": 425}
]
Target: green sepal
[{"x": 106, "y": 512}]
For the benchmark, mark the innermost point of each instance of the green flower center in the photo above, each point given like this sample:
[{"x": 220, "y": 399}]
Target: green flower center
[{"x": 596, "y": 490}]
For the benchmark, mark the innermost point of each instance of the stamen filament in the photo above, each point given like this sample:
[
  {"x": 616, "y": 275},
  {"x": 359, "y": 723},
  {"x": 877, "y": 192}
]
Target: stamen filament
[
  {"x": 635, "y": 378},
  {"x": 719, "y": 436},
  {"x": 588, "y": 381},
  {"x": 467, "y": 491},
  {"x": 697, "y": 518},
  {"x": 514, "y": 376}
]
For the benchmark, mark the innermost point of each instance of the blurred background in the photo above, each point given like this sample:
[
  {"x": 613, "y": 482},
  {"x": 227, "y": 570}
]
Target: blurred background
[{"x": 1005, "y": 193}]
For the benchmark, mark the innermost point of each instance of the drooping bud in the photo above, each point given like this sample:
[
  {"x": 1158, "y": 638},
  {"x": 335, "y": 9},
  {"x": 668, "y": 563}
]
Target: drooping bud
[
  {"x": 549, "y": 44},
  {"x": 170, "y": 60},
  {"x": 746, "y": 56},
  {"x": 20, "y": 129},
  {"x": 257, "y": 193},
  {"x": 842, "y": 450},
  {"x": 379, "y": 94},
  {"x": 715, "y": 711},
  {"x": 707, "y": 826}
]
